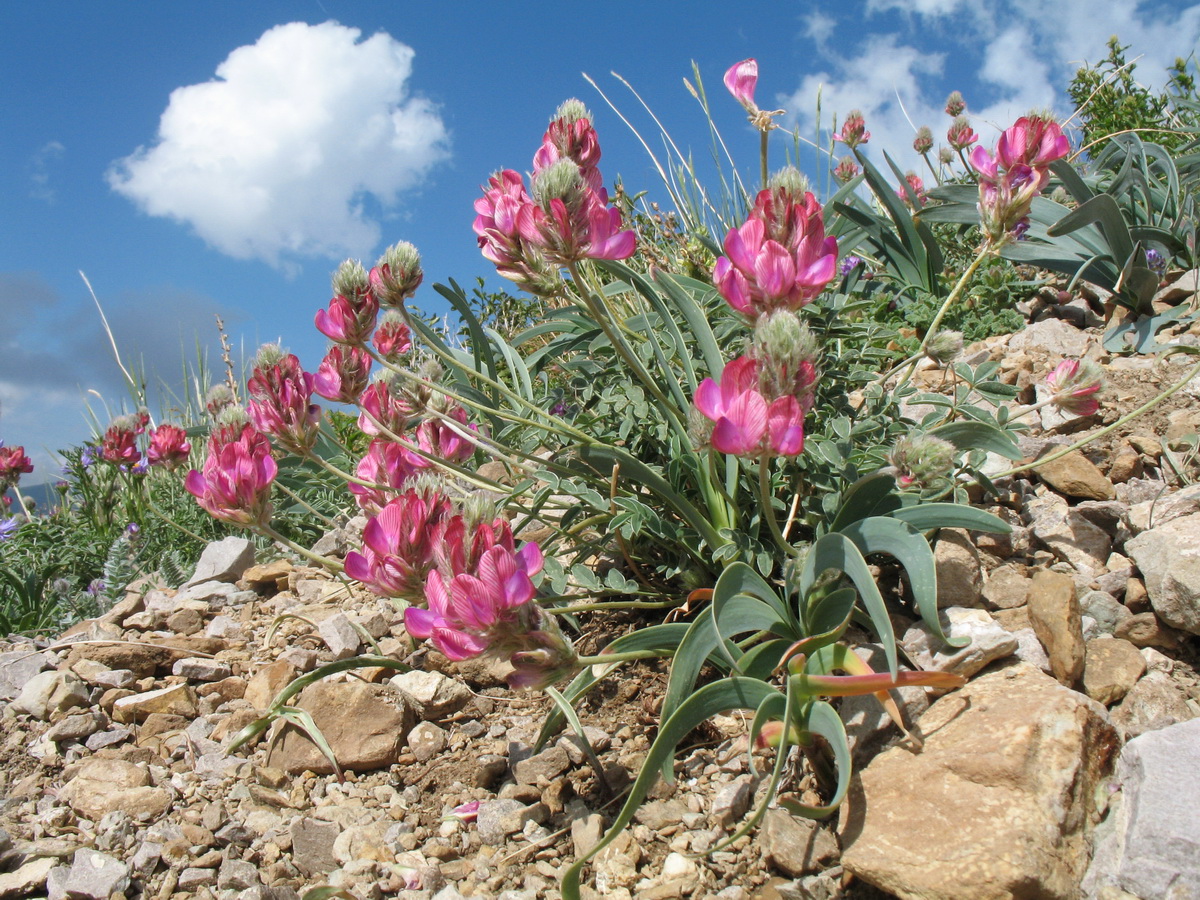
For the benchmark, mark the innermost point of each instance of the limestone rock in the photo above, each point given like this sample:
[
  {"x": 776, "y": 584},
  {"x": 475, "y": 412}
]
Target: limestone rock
[
  {"x": 50, "y": 692},
  {"x": 28, "y": 879},
  {"x": 365, "y": 725},
  {"x": 16, "y": 668},
  {"x": 223, "y": 560},
  {"x": 1111, "y": 668},
  {"x": 426, "y": 741},
  {"x": 1162, "y": 509},
  {"x": 175, "y": 700},
  {"x": 1007, "y": 587},
  {"x": 1075, "y": 476},
  {"x": 1055, "y": 616},
  {"x": 988, "y": 642},
  {"x": 312, "y": 845},
  {"x": 104, "y": 785},
  {"x": 437, "y": 695},
  {"x": 1072, "y": 537},
  {"x": 796, "y": 846},
  {"x": 998, "y": 802},
  {"x": 1155, "y": 702},
  {"x": 1149, "y": 845},
  {"x": 95, "y": 876},
  {"x": 1168, "y": 556},
  {"x": 959, "y": 570}
]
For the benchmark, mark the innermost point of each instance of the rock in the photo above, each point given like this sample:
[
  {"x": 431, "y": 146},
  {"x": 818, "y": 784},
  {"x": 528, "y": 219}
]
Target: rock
[
  {"x": 185, "y": 621},
  {"x": 141, "y": 659},
  {"x": 497, "y": 819},
  {"x": 312, "y": 845},
  {"x": 988, "y": 642},
  {"x": 223, "y": 560},
  {"x": 959, "y": 571},
  {"x": 17, "y": 667},
  {"x": 659, "y": 814},
  {"x": 998, "y": 802},
  {"x": 95, "y": 876},
  {"x": 543, "y": 767},
  {"x": 237, "y": 875},
  {"x": 77, "y": 727},
  {"x": 586, "y": 833},
  {"x": 732, "y": 802},
  {"x": 794, "y": 845},
  {"x": 1053, "y": 336},
  {"x": 175, "y": 700},
  {"x": 340, "y": 636},
  {"x": 266, "y": 684},
  {"x": 272, "y": 575},
  {"x": 1072, "y": 537},
  {"x": 1110, "y": 669},
  {"x": 868, "y": 725},
  {"x": 105, "y": 785},
  {"x": 1126, "y": 463},
  {"x": 1144, "y": 630},
  {"x": 1149, "y": 845},
  {"x": 1104, "y": 608},
  {"x": 1007, "y": 587},
  {"x": 1031, "y": 651},
  {"x": 617, "y": 865},
  {"x": 28, "y": 879},
  {"x": 1162, "y": 509},
  {"x": 426, "y": 741},
  {"x": 1168, "y": 556},
  {"x": 50, "y": 692},
  {"x": 436, "y": 695},
  {"x": 1155, "y": 702},
  {"x": 1075, "y": 476},
  {"x": 197, "y": 668},
  {"x": 1055, "y": 616},
  {"x": 364, "y": 724}
]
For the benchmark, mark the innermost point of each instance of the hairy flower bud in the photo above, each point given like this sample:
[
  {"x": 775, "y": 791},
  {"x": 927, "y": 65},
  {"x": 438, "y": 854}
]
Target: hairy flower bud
[
  {"x": 392, "y": 338},
  {"x": 397, "y": 274},
  {"x": 854, "y": 130},
  {"x": 846, "y": 169},
  {"x": 944, "y": 347},
  {"x": 921, "y": 460},
  {"x": 960, "y": 134},
  {"x": 219, "y": 397},
  {"x": 350, "y": 279},
  {"x": 1074, "y": 384},
  {"x": 923, "y": 142},
  {"x": 790, "y": 183},
  {"x": 559, "y": 181},
  {"x": 955, "y": 105}
]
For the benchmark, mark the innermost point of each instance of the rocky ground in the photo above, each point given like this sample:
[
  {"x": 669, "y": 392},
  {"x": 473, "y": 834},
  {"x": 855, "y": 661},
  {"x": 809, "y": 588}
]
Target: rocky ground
[{"x": 1069, "y": 766}]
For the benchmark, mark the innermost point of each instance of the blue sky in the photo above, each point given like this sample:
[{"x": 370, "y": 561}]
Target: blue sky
[{"x": 217, "y": 158}]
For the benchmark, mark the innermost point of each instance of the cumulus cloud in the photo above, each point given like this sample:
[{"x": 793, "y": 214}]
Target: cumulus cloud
[{"x": 285, "y": 152}]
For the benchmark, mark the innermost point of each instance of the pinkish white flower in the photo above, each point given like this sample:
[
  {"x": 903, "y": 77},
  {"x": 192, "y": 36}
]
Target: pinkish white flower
[
  {"x": 388, "y": 466},
  {"x": 1074, "y": 384},
  {"x": 740, "y": 80},
  {"x": 280, "y": 394}
]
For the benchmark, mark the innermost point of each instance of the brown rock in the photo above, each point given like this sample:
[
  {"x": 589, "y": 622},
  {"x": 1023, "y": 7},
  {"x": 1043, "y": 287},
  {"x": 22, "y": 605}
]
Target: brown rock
[
  {"x": 1013, "y": 620},
  {"x": 796, "y": 846},
  {"x": 272, "y": 575},
  {"x": 1057, "y": 622},
  {"x": 157, "y": 724},
  {"x": 1111, "y": 668},
  {"x": 175, "y": 700},
  {"x": 104, "y": 785},
  {"x": 1156, "y": 701},
  {"x": 1074, "y": 475},
  {"x": 140, "y": 658},
  {"x": 1144, "y": 630},
  {"x": 1137, "y": 598},
  {"x": 1007, "y": 587},
  {"x": 959, "y": 571},
  {"x": 998, "y": 802},
  {"x": 1147, "y": 444},
  {"x": 1126, "y": 463},
  {"x": 185, "y": 621},
  {"x": 265, "y": 686},
  {"x": 364, "y": 724}
]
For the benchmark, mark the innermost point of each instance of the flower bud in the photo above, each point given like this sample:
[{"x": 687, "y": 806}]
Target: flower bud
[
  {"x": 571, "y": 111},
  {"x": 854, "y": 130},
  {"x": 269, "y": 355},
  {"x": 790, "y": 182},
  {"x": 392, "y": 338},
  {"x": 921, "y": 460},
  {"x": 559, "y": 181},
  {"x": 945, "y": 156},
  {"x": 923, "y": 142},
  {"x": 350, "y": 279},
  {"x": 955, "y": 105},
  {"x": 219, "y": 397},
  {"x": 397, "y": 274},
  {"x": 1074, "y": 383},
  {"x": 943, "y": 347},
  {"x": 960, "y": 134},
  {"x": 846, "y": 169}
]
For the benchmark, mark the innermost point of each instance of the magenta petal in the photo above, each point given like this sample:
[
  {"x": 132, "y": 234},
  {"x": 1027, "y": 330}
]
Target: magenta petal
[
  {"x": 419, "y": 622},
  {"x": 708, "y": 400},
  {"x": 457, "y": 645},
  {"x": 740, "y": 375},
  {"x": 729, "y": 438},
  {"x": 785, "y": 424}
]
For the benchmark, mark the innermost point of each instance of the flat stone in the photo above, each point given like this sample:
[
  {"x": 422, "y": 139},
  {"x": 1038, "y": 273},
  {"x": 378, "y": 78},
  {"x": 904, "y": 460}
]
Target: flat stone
[
  {"x": 140, "y": 658},
  {"x": 1111, "y": 668},
  {"x": 1168, "y": 556},
  {"x": 1149, "y": 845},
  {"x": 28, "y": 879},
  {"x": 50, "y": 692},
  {"x": 1075, "y": 476},
  {"x": 17, "y": 667},
  {"x": 732, "y": 802},
  {"x": 999, "y": 801},
  {"x": 364, "y": 724},
  {"x": 175, "y": 700},
  {"x": 1056, "y": 619},
  {"x": 340, "y": 636},
  {"x": 77, "y": 727},
  {"x": 268, "y": 575},
  {"x": 96, "y": 876},
  {"x": 237, "y": 875},
  {"x": 796, "y": 846},
  {"x": 988, "y": 642},
  {"x": 1162, "y": 509},
  {"x": 198, "y": 668},
  {"x": 223, "y": 560},
  {"x": 497, "y": 819},
  {"x": 268, "y": 681},
  {"x": 959, "y": 570},
  {"x": 543, "y": 767},
  {"x": 586, "y": 832},
  {"x": 1155, "y": 702},
  {"x": 1072, "y": 537},
  {"x": 437, "y": 695},
  {"x": 1007, "y": 587},
  {"x": 426, "y": 741},
  {"x": 104, "y": 785},
  {"x": 312, "y": 845}
]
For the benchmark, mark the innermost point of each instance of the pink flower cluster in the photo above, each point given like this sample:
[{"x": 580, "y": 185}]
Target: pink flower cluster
[
  {"x": 1074, "y": 384},
  {"x": 780, "y": 258},
  {"x": 13, "y": 464},
  {"x": 745, "y": 422},
  {"x": 234, "y": 484},
  {"x": 167, "y": 446},
  {"x": 563, "y": 218},
  {"x": 1016, "y": 173}
]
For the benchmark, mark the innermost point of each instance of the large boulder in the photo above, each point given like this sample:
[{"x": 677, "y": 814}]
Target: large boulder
[
  {"x": 1169, "y": 558},
  {"x": 998, "y": 803}
]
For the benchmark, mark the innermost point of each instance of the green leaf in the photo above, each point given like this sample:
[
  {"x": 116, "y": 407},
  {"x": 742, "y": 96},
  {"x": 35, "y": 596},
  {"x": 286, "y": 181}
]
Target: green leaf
[
  {"x": 928, "y": 516},
  {"x": 979, "y": 436},
  {"x": 821, "y": 718},
  {"x": 870, "y": 495}
]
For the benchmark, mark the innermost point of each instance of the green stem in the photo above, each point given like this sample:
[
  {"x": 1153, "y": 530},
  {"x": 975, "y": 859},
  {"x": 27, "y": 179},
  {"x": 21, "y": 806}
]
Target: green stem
[
  {"x": 332, "y": 564},
  {"x": 1128, "y": 417},
  {"x": 762, "y": 155},
  {"x": 768, "y": 509},
  {"x": 603, "y": 659},
  {"x": 618, "y": 604}
]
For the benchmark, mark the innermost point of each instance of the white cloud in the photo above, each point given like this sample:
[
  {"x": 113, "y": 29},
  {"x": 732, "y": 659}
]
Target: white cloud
[
  {"x": 40, "y": 170},
  {"x": 276, "y": 157},
  {"x": 819, "y": 27},
  {"x": 933, "y": 8}
]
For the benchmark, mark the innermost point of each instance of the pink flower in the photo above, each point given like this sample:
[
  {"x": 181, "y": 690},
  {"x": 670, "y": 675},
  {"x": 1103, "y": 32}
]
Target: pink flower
[
  {"x": 960, "y": 134},
  {"x": 472, "y": 614},
  {"x": 235, "y": 482},
  {"x": 500, "y": 239},
  {"x": 1033, "y": 141},
  {"x": 441, "y": 441},
  {"x": 846, "y": 169},
  {"x": 343, "y": 374},
  {"x": 740, "y": 80},
  {"x": 397, "y": 275},
  {"x": 571, "y": 221},
  {"x": 913, "y": 192},
  {"x": 955, "y": 105},
  {"x": 120, "y": 442},
  {"x": 1074, "y": 383},
  {"x": 169, "y": 446},
  {"x": 923, "y": 142},
  {"x": 854, "y": 130},
  {"x": 400, "y": 544},
  {"x": 393, "y": 338},
  {"x": 1011, "y": 179},
  {"x": 383, "y": 405},
  {"x": 348, "y": 321},
  {"x": 758, "y": 274},
  {"x": 13, "y": 464},
  {"x": 280, "y": 391},
  {"x": 461, "y": 552},
  {"x": 388, "y": 466},
  {"x": 745, "y": 424},
  {"x": 571, "y": 136}
]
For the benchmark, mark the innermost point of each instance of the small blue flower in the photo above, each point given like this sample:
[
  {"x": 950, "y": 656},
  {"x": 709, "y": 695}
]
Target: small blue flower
[
  {"x": 96, "y": 587},
  {"x": 8, "y": 527},
  {"x": 132, "y": 529},
  {"x": 848, "y": 265},
  {"x": 88, "y": 456},
  {"x": 1156, "y": 261}
]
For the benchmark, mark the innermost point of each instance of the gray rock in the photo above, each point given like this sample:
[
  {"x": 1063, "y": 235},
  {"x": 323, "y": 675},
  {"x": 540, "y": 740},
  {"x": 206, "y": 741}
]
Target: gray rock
[
  {"x": 1071, "y": 537},
  {"x": 586, "y": 832},
  {"x": 1105, "y": 609},
  {"x": 573, "y": 743},
  {"x": 77, "y": 727},
  {"x": 340, "y": 636},
  {"x": 732, "y": 801},
  {"x": 95, "y": 876},
  {"x": 50, "y": 692},
  {"x": 1149, "y": 845},
  {"x": 223, "y": 560},
  {"x": 196, "y": 877},
  {"x": 17, "y": 667},
  {"x": 437, "y": 695},
  {"x": 237, "y": 875},
  {"x": 1155, "y": 702},
  {"x": 426, "y": 741},
  {"x": 196, "y": 668},
  {"x": 497, "y": 819},
  {"x": 312, "y": 845},
  {"x": 1031, "y": 651},
  {"x": 543, "y": 767},
  {"x": 1162, "y": 509},
  {"x": 1168, "y": 556},
  {"x": 794, "y": 845},
  {"x": 988, "y": 642}
]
